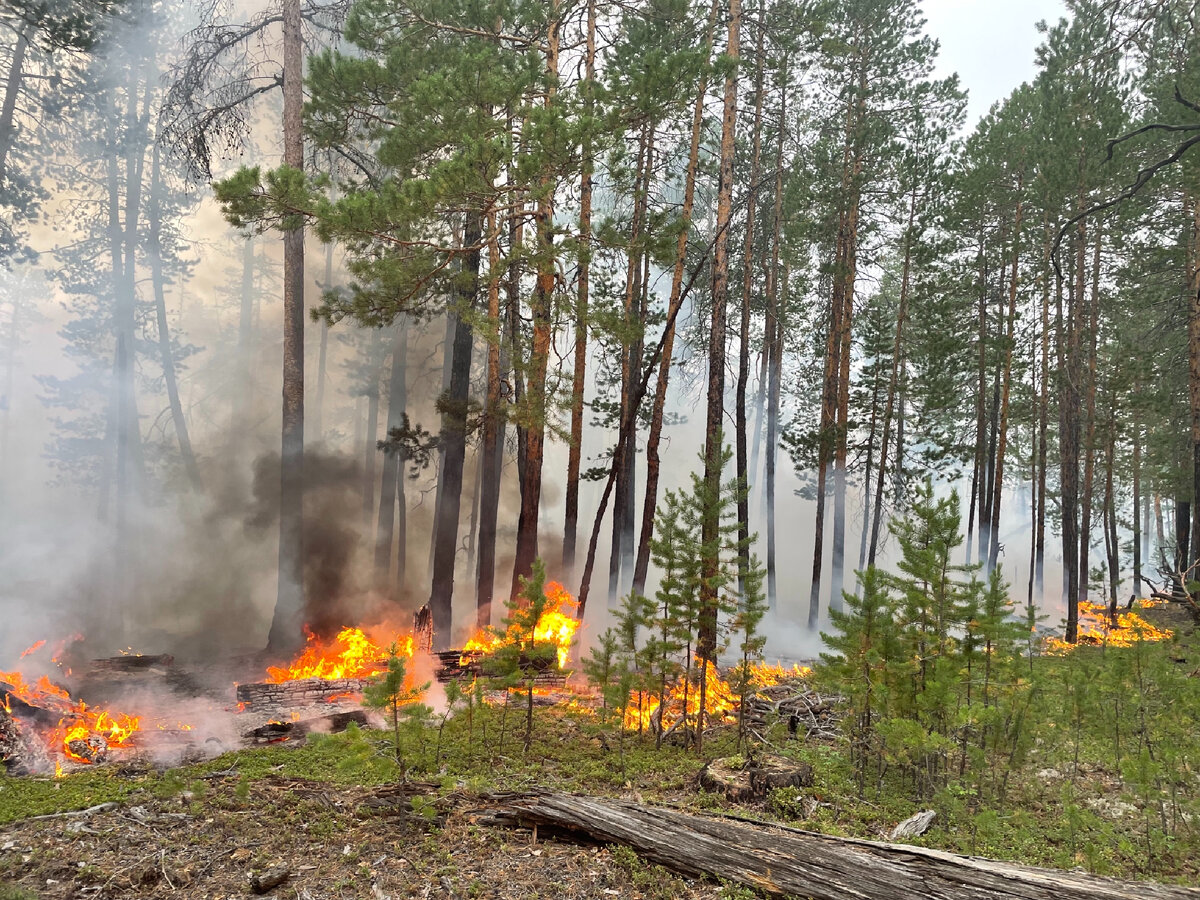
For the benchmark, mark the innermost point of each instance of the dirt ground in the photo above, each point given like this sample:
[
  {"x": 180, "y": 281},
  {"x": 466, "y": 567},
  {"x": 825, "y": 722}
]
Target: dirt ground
[{"x": 333, "y": 842}]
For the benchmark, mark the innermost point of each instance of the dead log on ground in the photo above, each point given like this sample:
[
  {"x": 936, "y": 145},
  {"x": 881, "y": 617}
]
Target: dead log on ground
[{"x": 781, "y": 861}]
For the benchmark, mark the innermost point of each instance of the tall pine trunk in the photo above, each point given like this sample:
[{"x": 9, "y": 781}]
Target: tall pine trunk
[
  {"x": 492, "y": 450},
  {"x": 575, "y": 451},
  {"x": 454, "y": 443},
  {"x": 164, "y": 337},
  {"x": 391, "y": 484},
  {"x": 539, "y": 354},
  {"x": 706, "y": 643},
  {"x": 1089, "y": 444},
  {"x": 743, "y": 379},
  {"x": 1006, "y": 384},
  {"x": 654, "y": 435},
  {"x": 774, "y": 348},
  {"x": 12, "y": 93},
  {"x": 287, "y": 632},
  {"x": 630, "y": 369}
]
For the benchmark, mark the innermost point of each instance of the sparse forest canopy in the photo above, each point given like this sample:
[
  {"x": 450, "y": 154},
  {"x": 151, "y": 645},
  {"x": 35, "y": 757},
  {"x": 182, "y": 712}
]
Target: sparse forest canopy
[
  {"x": 614, "y": 348},
  {"x": 576, "y": 272}
]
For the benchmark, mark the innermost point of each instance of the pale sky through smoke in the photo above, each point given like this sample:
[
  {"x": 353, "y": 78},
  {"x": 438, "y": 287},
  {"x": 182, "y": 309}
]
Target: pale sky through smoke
[{"x": 989, "y": 43}]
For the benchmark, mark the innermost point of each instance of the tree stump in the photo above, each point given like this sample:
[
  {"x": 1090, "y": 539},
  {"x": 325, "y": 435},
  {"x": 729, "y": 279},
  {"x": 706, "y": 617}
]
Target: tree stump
[{"x": 742, "y": 780}]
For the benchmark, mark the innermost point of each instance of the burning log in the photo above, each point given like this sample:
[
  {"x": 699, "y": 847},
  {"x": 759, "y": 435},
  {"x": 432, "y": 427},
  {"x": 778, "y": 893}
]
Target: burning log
[
  {"x": 787, "y": 861},
  {"x": 10, "y": 741},
  {"x": 303, "y": 692},
  {"x": 423, "y": 630},
  {"x": 132, "y": 664},
  {"x": 334, "y": 723},
  {"x": 469, "y": 664}
]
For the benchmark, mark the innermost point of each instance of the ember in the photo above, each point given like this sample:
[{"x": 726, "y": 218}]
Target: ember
[{"x": 1096, "y": 628}]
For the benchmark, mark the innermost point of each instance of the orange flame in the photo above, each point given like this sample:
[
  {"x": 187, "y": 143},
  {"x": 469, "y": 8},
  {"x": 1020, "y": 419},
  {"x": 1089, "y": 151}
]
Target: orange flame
[
  {"x": 557, "y": 625},
  {"x": 1095, "y": 628},
  {"x": 349, "y": 655},
  {"x": 720, "y": 702},
  {"x": 769, "y": 674},
  {"x": 78, "y": 721}
]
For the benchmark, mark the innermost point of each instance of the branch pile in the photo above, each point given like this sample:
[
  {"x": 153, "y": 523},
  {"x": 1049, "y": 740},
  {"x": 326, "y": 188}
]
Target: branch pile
[{"x": 797, "y": 704}]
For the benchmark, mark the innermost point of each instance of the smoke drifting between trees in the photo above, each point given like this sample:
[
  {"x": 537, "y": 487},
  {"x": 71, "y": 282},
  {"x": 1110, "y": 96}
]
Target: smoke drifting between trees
[{"x": 538, "y": 234}]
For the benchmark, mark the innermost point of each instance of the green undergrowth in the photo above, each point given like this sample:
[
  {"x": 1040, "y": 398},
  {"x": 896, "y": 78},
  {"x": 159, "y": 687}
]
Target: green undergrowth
[{"x": 1107, "y": 781}]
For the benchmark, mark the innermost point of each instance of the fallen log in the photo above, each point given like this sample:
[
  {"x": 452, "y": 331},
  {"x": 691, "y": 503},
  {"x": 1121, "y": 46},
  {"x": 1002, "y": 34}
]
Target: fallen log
[{"x": 781, "y": 861}]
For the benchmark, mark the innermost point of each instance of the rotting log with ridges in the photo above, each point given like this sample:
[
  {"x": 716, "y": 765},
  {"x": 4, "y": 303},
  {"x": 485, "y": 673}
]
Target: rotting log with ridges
[{"x": 787, "y": 861}]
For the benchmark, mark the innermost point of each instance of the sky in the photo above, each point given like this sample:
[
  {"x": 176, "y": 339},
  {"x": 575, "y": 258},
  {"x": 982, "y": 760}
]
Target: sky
[{"x": 989, "y": 43}]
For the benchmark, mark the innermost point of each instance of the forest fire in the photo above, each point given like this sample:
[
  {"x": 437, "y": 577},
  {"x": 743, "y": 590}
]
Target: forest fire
[
  {"x": 84, "y": 733},
  {"x": 349, "y": 655},
  {"x": 770, "y": 674},
  {"x": 1097, "y": 628},
  {"x": 556, "y": 625},
  {"x": 720, "y": 703}
]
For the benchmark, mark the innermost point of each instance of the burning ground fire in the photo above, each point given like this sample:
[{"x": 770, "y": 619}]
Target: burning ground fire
[
  {"x": 1096, "y": 628},
  {"x": 349, "y": 655},
  {"x": 333, "y": 669},
  {"x": 84, "y": 733}
]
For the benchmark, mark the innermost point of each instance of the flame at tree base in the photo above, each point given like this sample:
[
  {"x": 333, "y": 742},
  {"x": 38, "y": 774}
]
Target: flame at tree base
[
  {"x": 720, "y": 703},
  {"x": 1097, "y": 629}
]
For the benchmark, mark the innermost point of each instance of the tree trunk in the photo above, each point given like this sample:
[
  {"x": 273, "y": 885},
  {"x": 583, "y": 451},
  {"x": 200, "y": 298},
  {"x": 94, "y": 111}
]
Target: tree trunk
[
  {"x": 12, "y": 91},
  {"x": 287, "y": 633},
  {"x": 623, "y": 494},
  {"x": 825, "y": 440},
  {"x": 370, "y": 446},
  {"x": 1194, "y": 370},
  {"x": 1068, "y": 416},
  {"x": 1006, "y": 383},
  {"x": 706, "y": 642},
  {"x": 1039, "y": 568},
  {"x": 1139, "y": 530},
  {"x": 541, "y": 307},
  {"x": 1112, "y": 547},
  {"x": 743, "y": 379},
  {"x": 774, "y": 349},
  {"x": 164, "y": 337},
  {"x": 977, "y": 470},
  {"x": 391, "y": 484},
  {"x": 654, "y": 436},
  {"x": 492, "y": 450},
  {"x": 1089, "y": 446},
  {"x": 454, "y": 443},
  {"x": 574, "y": 453},
  {"x": 894, "y": 380}
]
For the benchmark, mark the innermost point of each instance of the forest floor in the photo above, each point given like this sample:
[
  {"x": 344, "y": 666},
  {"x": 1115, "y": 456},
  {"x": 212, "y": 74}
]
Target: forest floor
[{"x": 332, "y": 814}]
